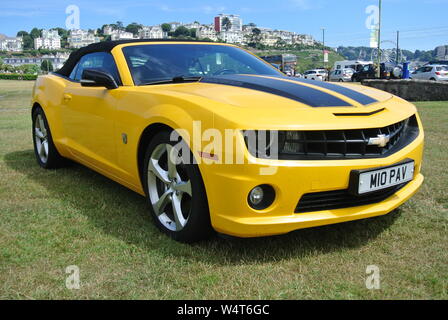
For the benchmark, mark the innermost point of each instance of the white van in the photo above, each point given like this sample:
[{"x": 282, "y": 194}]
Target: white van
[{"x": 356, "y": 65}]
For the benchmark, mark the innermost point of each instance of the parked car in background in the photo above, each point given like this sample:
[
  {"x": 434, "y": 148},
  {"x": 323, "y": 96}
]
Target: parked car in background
[
  {"x": 438, "y": 62},
  {"x": 316, "y": 74},
  {"x": 324, "y": 72},
  {"x": 343, "y": 75},
  {"x": 431, "y": 72},
  {"x": 370, "y": 72},
  {"x": 356, "y": 65}
]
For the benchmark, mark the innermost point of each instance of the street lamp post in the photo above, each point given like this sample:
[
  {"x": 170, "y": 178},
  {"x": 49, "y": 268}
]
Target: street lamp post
[
  {"x": 379, "y": 39},
  {"x": 323, "y": 43}
]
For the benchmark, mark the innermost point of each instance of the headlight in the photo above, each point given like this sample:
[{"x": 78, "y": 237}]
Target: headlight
[{"x": 265, "y": 143}]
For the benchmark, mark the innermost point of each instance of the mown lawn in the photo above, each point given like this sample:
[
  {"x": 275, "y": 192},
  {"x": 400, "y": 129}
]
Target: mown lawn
[{"x": 73, "y": 216}]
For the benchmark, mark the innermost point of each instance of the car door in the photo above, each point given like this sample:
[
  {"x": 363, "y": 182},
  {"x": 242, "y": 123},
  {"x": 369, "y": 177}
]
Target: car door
[
  {"x": 426, "y": 73},
  {"x": 337, "y": 75},
  {"x": 417, "y": 73},
  {"x": 88, "y": 115}
]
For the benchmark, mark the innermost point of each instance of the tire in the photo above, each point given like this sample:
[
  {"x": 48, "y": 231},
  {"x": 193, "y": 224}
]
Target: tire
[
  {"x": 340, "y": 80},
  {"x": 47, "y": 155},
  {"x": 176, "y": 193},
  {"x": 432, "y": 79}
]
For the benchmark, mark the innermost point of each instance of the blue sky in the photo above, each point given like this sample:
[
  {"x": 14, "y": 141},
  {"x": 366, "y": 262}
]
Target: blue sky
[{"x": 423, "y": 23}]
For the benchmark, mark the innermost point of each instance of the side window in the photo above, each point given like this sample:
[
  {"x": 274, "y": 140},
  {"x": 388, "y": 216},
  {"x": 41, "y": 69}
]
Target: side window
[
  {"x": 98, "y": 60},
  {"x": 73, "y": 73}
]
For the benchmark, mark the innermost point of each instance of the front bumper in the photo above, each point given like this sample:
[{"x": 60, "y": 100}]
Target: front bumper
[{"x": 228, "y": 186}]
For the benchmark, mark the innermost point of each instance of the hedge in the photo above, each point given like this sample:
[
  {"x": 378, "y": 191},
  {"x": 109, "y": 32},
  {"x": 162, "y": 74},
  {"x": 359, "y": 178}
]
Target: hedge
[{"x": 16, "y": 76}]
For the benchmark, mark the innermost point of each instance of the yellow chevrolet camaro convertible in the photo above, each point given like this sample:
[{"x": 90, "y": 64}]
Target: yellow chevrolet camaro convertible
[{"x": 218, "y": 139}]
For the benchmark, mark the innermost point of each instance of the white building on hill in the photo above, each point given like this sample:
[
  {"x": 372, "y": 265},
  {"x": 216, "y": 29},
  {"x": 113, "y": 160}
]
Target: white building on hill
[
  {"x": 81, "y": 38},
  {"x": 13, "y": 44},
  {"x": 50, "y": 40}
]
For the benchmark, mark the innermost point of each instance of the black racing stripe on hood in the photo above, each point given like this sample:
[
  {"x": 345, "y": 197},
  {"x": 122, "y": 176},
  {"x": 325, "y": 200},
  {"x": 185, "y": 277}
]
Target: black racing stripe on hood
[
  {"x": 349, "y": 93},
  {"x": 290, "y": 90}
]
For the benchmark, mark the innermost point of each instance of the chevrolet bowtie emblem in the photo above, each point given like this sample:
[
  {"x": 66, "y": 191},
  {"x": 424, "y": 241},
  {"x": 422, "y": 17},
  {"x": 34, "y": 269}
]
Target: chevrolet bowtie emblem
[{"x": 381, "y": 141}]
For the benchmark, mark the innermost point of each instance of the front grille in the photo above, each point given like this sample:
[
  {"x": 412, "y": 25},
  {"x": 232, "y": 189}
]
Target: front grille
[
  {"x": 341, "y": 144},
  {"x": 339, "y": 199}
]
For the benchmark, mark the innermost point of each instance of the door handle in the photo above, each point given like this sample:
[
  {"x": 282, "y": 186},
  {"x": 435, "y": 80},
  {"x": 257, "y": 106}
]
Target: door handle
[{"x": 67, "y": 97}]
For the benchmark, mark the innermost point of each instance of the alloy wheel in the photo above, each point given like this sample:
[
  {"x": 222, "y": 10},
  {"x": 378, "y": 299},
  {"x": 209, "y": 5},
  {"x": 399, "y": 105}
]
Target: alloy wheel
[
  {"x": 41, "y": 138},
  {"x": 169, "y": 187}
]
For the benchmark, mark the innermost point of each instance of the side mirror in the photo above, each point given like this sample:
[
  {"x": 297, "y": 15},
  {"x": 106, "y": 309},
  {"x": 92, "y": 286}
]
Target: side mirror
[{"x": 97, "y": 78}]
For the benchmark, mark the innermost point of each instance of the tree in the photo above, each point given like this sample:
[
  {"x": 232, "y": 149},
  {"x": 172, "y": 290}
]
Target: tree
[
  {"x": 28, "y": 42},
  {"x": 182, "y": 32},
  {"x": 29, "y": 68},
  {"x": 255, "y": 38},
  {"x": 36, "y": 33},
  {"x": 166, "y": 27},
  {"x": 134, "y": 28},
  {"x": 226, "y": 24},
  {"x": 119, "y": 25},
  {"x": 47, "y": 66},
  {"x": 280, "y": 43},
  {"x": 193, "y": 32},
  {"x": 22, "y": 33}
]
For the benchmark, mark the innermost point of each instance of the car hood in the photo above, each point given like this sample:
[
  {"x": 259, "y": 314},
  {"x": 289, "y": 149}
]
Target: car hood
[
  {"x": 268, "y": 101},
  {"x": 307, "y": 92}
]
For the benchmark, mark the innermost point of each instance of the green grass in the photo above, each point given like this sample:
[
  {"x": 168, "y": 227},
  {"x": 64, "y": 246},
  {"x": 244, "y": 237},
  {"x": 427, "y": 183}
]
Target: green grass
[{"x": 73, "y": 216}]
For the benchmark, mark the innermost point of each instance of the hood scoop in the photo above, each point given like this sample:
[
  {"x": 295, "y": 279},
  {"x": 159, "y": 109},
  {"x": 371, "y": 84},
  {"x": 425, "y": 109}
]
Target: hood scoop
[{"x": 359, "y": 114}]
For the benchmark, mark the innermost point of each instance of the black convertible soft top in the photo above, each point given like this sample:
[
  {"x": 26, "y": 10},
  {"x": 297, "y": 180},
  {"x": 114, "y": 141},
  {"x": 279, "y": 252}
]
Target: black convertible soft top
[{"x": 105, "y": 46}]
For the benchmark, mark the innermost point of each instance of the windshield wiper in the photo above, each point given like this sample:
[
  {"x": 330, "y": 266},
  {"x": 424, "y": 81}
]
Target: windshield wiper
[{"x": 178, "y": 79}]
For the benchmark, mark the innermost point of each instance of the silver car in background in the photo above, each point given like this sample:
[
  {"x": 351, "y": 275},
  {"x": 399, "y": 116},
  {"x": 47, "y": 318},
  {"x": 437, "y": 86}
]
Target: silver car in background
[
  {"x": 431, "y": 72},
  {"x": 344, "y": 75},
  {"x": 316, "y": 74}
]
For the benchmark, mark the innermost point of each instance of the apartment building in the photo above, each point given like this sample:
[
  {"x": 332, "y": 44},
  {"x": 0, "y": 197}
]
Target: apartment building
[
  {"x": 81, "y": 38},
  {"x": 57, "y": 60},
  {"x": 121, "y": 35},
  {"x": 152, "y": 32},
  {"x": 236, "y": 23},
  {"x": 207, "y": 31},
  {"x": 50, "y": 40},
  {"x": 13, "y": 44}
]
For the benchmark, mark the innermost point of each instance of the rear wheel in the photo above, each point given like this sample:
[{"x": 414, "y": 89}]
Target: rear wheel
[
  {"x": 432, "y": 79},
  {"x": 46, "y": 153},
  {"x": 175, "y": 190}
]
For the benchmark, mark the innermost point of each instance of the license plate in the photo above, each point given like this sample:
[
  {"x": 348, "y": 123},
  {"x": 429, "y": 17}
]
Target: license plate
[{"x": 365, "y": 181}]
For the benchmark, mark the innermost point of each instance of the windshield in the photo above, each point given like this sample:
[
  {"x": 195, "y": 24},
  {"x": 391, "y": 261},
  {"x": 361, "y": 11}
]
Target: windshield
[{"x": 155, "y": 62}]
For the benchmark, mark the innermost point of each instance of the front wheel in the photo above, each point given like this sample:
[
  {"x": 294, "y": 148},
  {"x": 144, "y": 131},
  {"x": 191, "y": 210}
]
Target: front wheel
[{"x": 175, "y": 190}]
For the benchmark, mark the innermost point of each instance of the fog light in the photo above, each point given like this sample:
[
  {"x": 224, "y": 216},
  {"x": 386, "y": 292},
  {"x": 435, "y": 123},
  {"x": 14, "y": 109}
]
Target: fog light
[
  {"x": 261, "y": 197},
  {"x": 256, "y": 195}
]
